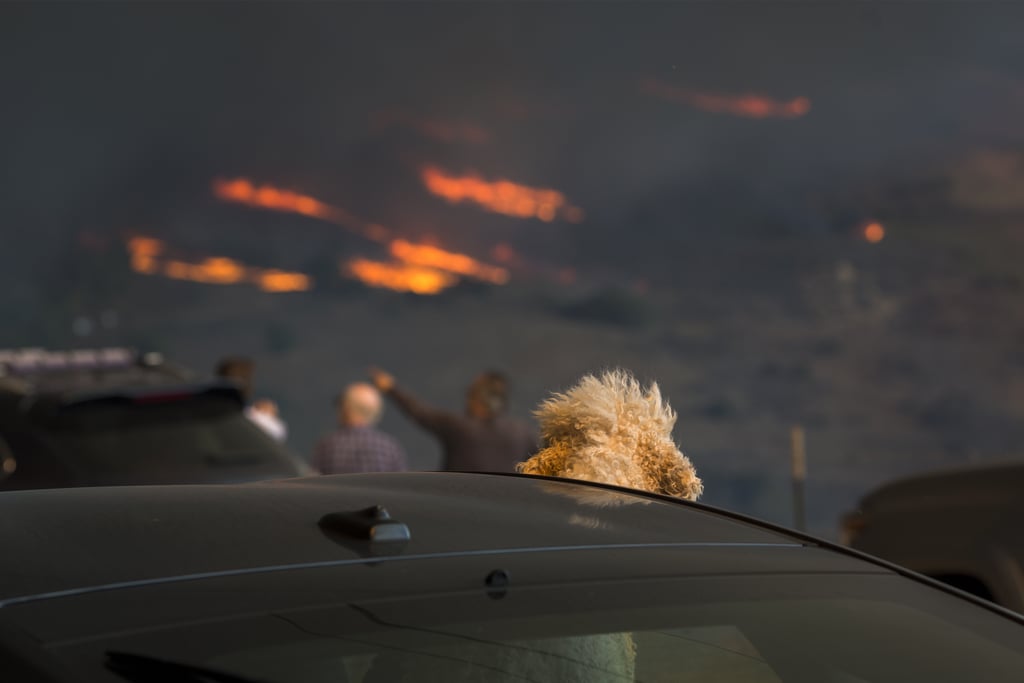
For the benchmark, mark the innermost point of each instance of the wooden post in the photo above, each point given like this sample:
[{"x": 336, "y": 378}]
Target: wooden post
[{"x": 799, "y": 462}]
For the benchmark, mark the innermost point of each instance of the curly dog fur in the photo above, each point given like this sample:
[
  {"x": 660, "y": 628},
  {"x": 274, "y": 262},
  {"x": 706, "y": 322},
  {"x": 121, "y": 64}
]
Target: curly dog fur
[{"x": 609, "y": 429}]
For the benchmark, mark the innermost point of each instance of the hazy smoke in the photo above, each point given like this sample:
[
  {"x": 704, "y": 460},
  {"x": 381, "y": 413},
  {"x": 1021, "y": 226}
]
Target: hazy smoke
[{"x": 117, "y": 116}]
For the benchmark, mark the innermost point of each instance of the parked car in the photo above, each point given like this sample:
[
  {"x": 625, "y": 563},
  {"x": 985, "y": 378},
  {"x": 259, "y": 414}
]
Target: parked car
[
  {"x": 957, "y": 525},
  {"x": 461, "y": 577},
  {"x": 114, "y": 416}
]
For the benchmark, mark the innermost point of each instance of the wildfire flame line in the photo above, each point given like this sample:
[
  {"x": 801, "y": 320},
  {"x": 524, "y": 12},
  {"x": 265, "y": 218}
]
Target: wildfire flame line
[
  {"x": 244, "y": 191},
  {"x": 147, "y": 258},
  {"x": 421, "y": 269},
  {"x": 428, "y": 256},
  {"x": 749, "y": 106},
  {"x": 400, "y": 277},
  {"x": 500, "y": 196}
]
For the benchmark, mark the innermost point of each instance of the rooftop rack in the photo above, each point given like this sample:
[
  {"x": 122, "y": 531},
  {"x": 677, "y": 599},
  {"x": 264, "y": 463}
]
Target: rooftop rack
[
  {"x": 33, "y": 370},
  {"x": 35, "y": 360}
]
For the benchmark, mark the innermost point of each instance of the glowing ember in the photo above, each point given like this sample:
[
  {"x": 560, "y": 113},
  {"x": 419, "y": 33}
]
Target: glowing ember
[
  {"x": 874, "y": 232},
  {"x": 749, "y": 106},
  {"x": 399, "y": 277},
  {"x": 500, "y": 196},
  {"x": 435, "y": 257},
  {"x": 144, "y": 252},
  {"x": 433, "y": 129},
  {"x": 283, "y": 281},
  {"x": 147, "y": 258}
]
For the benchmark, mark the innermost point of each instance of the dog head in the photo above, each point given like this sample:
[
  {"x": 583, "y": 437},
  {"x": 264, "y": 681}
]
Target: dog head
[{"x": 609, "y": 429}]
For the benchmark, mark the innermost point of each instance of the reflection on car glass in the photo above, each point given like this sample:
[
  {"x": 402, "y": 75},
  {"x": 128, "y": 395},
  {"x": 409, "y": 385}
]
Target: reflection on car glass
[
  {"x": 595, "y": 497},
  {"x": 708, "y": 652},
  {"x": 656, "y": 634}
]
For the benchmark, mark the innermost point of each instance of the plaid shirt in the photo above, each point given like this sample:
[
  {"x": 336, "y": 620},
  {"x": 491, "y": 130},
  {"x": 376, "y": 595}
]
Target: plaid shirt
[{"x": 359, "y": 449}]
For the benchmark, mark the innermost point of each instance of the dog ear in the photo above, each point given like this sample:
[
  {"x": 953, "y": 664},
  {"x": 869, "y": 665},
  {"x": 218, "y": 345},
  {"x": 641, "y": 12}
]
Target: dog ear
[
  {"x": 550, "y": 461},
  {"x": 669, "y": 472}
]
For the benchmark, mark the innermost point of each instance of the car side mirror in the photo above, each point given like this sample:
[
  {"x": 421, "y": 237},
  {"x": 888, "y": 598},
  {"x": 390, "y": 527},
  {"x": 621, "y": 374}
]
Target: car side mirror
[{"x": 8, "y": 464}]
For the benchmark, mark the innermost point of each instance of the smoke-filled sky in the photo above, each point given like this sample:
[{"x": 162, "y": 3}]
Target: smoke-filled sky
[
  {"x": 119, "y": 115},
  {"x": 713, "y": 160}
]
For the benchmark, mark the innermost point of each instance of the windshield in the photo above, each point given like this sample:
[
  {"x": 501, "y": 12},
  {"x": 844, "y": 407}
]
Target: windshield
[{"x": 821, "y": 629}]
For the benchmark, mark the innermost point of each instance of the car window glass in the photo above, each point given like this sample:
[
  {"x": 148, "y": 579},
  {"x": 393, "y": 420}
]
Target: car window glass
[
  {"x": 216, "y": 440},
  {"x": 122, "y": 436},
  {"x": 758, "y": 629},
  {"x": 764, "y": 647},
  {"x": 717, "y": 652}
]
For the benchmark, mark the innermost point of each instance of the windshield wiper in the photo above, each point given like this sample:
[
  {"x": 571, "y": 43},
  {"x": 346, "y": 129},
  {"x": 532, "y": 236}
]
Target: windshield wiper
[{"x": 146, "y": 669}]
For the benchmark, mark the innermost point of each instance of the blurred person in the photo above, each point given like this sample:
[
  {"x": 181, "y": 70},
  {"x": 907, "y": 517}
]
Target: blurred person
[
  {"x": 483, "y": 439},
  {"x": 262, "y": 412},
  {"x": 611, "y": 430},
  {"x": 240, "y": 371},
  {"x": 357, "y": 445}
]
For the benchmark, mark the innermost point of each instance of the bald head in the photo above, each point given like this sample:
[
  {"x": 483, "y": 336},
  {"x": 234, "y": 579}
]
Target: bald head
[{"x": 360, "y": 406}]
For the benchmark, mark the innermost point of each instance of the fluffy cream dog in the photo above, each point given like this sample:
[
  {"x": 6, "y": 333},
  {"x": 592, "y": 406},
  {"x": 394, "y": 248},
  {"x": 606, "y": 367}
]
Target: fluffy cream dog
[
  {"x": 605, "y": 429},
  {"x": 609, "y": 429}
]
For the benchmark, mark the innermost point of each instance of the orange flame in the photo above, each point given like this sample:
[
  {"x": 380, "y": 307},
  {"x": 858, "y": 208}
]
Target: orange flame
[
  {"x": 874, "y": 232},
  {"x": 421, "y": 269},
  {"x": 214, "y": 271},
  {"x": 244, "y": 191},
  {"x": 269, "y": 197},
  {"x": 147, "y": 258},
  {"x": 434, "y": 129},
  {"x": 440, "y": 259},
  {"x": 501, "y": 196},
  {"x": 144, "y": 252},
  {"x": 283, "y": 281},
  {"x": 749, "y": 106},
  {"x": 400, "y": 277}
]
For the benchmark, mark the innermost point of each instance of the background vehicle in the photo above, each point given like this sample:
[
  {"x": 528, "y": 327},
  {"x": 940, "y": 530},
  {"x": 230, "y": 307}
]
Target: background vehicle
[
  {"x": 452, "y": 577},
  {"x": 959, "y": 526},
  {"x": 113, "y": 416}
]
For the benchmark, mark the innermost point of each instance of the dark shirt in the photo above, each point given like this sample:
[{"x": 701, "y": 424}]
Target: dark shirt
[
  {"x": 471, "y": 444},
  {"x": 359, "y": 449}
]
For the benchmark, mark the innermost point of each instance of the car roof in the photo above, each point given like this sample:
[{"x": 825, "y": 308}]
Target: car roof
[
  {"x": 37, "y": 383},
  {"x": 105, "y": 537},
  {"x": 87, "y": 564}
]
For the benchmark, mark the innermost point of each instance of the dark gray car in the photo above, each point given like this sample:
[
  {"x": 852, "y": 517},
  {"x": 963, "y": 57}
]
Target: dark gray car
[
  {"x": 113, "y": 417},
  {"x": 460, "y": 577}
]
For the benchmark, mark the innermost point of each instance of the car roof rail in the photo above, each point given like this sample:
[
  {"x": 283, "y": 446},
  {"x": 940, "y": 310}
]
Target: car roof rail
[
  {"x": 31, "y": 370},
  {"x": 32, "y": 360}
]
